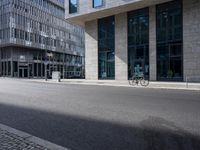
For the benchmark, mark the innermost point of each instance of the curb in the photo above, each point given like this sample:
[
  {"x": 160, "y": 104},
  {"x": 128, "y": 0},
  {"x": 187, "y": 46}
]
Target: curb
[
  {"x": 32, "y": 138},
  {"x": 118, "y": 85},
  {"x": 153, "y": 85}
]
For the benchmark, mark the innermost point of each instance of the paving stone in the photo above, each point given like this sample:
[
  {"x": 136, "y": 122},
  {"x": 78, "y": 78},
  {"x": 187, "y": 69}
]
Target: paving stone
[{"x": 10, "y": 141}]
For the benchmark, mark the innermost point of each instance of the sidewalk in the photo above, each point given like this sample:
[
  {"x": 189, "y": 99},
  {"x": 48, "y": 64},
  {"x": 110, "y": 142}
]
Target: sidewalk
[
  {"x": 156, "y": 84},
  {"x": 12, "y": 139}
]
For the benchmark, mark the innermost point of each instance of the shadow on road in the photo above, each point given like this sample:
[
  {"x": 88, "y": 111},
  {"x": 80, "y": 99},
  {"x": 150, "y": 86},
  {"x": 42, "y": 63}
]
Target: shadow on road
[{"x": 81, "y": 133}]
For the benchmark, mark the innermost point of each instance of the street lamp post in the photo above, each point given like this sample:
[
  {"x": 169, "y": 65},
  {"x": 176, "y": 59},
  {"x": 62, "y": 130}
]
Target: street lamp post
[{"x": 45, "y": 64}]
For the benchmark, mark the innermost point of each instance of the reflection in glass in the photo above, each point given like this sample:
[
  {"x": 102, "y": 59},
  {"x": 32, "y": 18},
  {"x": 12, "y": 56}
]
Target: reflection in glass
[
  {"x": 73, "y": 6},
  {"x": 106, "y": 48},
  {"x": 169, "y": 41},
  {"x": 138, "y": 42},
  {"x": 97, "y": 3}
]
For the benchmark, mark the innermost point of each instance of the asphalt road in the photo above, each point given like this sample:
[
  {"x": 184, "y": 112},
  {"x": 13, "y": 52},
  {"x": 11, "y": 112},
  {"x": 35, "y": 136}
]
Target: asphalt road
[{"x": 82, "y": 117}]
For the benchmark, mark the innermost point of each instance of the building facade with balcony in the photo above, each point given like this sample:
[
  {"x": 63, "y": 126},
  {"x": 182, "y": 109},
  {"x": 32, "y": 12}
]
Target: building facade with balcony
[
  {"x": 35, "y": 38},
  {"x": 161, "y": 38}
]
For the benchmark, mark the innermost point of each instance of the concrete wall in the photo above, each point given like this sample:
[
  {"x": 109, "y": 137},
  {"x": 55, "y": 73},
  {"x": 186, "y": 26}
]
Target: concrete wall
[
  {"x": 111, "y": 7},
  {"x": 152, "y": 43},
  {"x": 91, "y": 55},
  {"x": 57, "y": 3},
  {"x": 191, "y": 39},
  {"x": 0, "y": 64},
  {"x": 91, "y": 50},
  {"x": 121, "y": 60}
]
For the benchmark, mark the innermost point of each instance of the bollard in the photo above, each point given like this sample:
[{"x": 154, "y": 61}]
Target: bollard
[{"x": 186, "y": 82}]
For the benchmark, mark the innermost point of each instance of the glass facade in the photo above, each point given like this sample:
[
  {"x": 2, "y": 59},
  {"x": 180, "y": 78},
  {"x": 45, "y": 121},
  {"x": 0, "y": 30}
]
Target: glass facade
[
  {"x": 26, "y": 39},
  {"x": 106, "y": 48},
  {"x": 138, "y": 42},
  {"x": 169, "y": 41},
  {"x": 73, "y": 6},
  {"x": 97, "y": 3}
]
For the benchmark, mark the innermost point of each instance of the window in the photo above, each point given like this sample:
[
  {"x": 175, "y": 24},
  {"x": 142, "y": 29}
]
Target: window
[
  {"x": 97, "y": 3},
  {"x": 169, "y": 41},
  {"x": 106, "y": 48},
  {"x": 73, "y": 6},
  {"x": 138, "y": 42}
]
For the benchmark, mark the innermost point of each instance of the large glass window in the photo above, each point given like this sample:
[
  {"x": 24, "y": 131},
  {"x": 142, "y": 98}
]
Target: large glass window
[
  {"x": 106, "y": 48},
  {"x": 138, "y": 42},
  {"x": 73, "y": 6},
  {"x": 169, "y": 41},
  {"x": 97, "y": 3}
]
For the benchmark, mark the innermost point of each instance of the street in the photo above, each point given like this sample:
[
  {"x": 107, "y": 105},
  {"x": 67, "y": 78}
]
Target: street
[{"x": 83, "y": 117}]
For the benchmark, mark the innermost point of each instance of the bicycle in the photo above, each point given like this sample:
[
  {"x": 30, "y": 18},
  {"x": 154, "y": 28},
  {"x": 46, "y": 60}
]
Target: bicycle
[{"x": 135, "y": 80}]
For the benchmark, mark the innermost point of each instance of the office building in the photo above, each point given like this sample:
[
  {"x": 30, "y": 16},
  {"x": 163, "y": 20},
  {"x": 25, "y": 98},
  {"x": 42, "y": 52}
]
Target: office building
[
  {"x": 34, "y": 35},
  {"x": 161, "y": 37}
]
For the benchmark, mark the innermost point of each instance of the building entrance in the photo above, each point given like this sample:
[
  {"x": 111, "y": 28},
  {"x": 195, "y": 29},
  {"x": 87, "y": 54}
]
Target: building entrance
[
  {"x": 139, "y": 60},
  {"x": 106, "y": 65},
  {"x": 32, "y": 64},
  {"x": 23, "y": 72}
]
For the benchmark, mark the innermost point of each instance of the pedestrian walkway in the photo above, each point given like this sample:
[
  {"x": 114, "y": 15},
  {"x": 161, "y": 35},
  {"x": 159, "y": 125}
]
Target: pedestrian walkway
[
  {"x": 155, "y": 84},
  {"x": 12, "y": 139},
  {"x": 152, "y": 84}
]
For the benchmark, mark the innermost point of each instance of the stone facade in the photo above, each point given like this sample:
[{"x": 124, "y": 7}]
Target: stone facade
[
  {"x": 86, "y": 12},
  {"x": 91, "y": 55},
  {"x": 121, "y": 56},
  {"x": 91, "y": 44},
  {"x": 152, "y": 43},
  {"x": 191, "y": 39}
]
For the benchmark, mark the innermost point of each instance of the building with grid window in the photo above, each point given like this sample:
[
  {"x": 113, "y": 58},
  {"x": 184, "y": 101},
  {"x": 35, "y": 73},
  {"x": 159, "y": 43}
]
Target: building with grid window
[
  {"x": 34, "y": 35},
  {"x": 160, "y": 38}
]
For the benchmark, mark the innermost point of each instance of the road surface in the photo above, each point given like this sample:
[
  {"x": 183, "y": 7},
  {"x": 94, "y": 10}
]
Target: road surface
[{"x": 83, "y": 117}]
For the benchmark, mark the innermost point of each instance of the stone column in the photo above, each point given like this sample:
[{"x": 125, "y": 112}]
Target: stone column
[
  {"x": 11, "y": 63},
  {"x": 191, "y": 40},
  {"x": 152, "y": 43},
  {"x": 0, "y": 64},
  {"x": 91, "y": 50},
  {"x": 121, "y": 47}
]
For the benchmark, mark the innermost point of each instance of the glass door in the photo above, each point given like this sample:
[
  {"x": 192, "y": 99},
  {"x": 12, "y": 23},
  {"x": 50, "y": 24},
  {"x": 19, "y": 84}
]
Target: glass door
[
  {"x": 139, "y": 60},
  {"x": 23, "y": 72},
  {"x": 106, "y": 65}
]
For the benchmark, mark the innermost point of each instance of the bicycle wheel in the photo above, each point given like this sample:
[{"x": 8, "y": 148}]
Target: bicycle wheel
[
  {"x": 144, "y": 82},
  {"x": 133, "y": 81}
]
